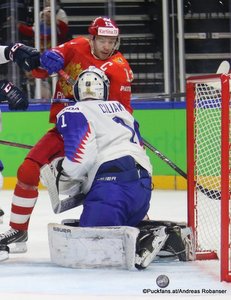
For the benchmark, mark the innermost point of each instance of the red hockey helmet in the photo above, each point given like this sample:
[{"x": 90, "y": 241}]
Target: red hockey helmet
[{"x": 103, "y": 26}]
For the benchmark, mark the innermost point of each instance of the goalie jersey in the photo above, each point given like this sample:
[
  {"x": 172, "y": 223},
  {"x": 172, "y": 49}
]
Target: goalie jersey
[{"x": 95, "y": 132}]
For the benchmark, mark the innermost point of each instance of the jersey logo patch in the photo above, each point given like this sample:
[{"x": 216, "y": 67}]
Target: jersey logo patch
[{"x": 118, "y": 60}]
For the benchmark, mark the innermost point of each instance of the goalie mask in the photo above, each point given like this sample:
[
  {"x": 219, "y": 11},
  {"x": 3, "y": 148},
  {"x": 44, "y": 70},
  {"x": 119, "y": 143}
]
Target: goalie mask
[{"x": 92, "y": 84}]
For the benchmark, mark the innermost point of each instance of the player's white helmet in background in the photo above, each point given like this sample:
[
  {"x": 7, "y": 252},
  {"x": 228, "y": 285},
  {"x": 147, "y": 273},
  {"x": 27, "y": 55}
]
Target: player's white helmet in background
[{"x": 92, "y": 84}]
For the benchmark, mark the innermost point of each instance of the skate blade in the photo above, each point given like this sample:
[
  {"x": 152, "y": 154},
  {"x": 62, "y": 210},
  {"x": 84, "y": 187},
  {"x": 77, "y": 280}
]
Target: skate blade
[
  {"x": 18, "y": 247},
  {"x": 4, "y": 255}
]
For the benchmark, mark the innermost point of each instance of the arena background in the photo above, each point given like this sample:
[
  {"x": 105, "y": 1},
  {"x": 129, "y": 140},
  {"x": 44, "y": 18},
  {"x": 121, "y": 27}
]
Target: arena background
[{"x": 163, "y": 124}]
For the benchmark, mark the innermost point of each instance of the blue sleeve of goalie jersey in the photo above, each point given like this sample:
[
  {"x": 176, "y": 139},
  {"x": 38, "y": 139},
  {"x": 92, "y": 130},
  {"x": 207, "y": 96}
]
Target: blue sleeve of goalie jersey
[{"x": 74, "y": 128}]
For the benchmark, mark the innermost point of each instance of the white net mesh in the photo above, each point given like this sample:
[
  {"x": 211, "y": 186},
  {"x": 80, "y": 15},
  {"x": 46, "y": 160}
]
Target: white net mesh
[
  {"x": 209, "y": 167},
  {"x": 207, "y": 164}
]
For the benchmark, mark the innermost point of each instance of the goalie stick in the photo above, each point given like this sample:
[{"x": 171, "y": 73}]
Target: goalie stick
[{"x": 58, "y": 205}]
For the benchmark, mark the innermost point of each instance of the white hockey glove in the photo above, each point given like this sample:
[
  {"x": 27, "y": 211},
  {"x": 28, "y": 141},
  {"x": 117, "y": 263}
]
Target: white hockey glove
[{"x": 64, "y": 183}]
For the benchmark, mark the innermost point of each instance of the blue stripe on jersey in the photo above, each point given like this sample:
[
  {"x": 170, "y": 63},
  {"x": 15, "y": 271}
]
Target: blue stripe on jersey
[{"x": 74, "y": 128}]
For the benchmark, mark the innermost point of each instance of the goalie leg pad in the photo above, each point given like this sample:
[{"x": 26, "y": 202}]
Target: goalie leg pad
[{"x": 92, "y": 247}]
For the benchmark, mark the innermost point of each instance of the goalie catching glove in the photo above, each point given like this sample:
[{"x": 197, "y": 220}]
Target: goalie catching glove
[
  {"x": 17, "y": 100},
  {"x": 27, "y": 58}
]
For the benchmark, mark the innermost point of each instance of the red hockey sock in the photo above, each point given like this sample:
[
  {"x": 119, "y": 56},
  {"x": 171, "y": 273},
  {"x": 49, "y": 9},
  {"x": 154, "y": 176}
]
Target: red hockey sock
[{"x": 25, "y": 194}]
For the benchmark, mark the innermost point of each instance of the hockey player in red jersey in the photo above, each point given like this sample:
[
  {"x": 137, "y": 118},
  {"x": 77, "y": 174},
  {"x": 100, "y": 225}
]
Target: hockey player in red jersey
[{"x": 101, "y": 50}]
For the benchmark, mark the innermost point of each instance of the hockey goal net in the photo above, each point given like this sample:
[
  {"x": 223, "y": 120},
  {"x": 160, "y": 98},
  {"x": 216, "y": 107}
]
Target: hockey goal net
[{"x": 209, "y": 167}]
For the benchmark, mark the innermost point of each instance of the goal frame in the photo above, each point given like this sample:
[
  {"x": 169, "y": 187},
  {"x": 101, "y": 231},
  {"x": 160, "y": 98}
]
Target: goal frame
[{"x": 225, "y": 250}]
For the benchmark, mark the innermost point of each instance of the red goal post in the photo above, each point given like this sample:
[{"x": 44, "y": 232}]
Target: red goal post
[{"x": 209, "y": 166}]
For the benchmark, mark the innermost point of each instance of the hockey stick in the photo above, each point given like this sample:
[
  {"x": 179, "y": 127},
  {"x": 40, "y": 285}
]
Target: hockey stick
[
  {"x": 224, "y": 67},
  {"x": 15, "y": 144},
  {"x": 171, "y": 95},
  {"x": 164, "y": 158},
  {"x": 212, "y": 194},
  {"x": 146, "y": 143},
  {"x": 42, "y": 73}
]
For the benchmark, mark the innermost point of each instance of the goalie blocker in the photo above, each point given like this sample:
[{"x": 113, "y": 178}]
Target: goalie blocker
[{"x": 121, "y": 247}]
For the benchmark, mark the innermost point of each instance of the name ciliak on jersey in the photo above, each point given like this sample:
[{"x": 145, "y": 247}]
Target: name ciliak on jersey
[{"x": 110, "y": 108}]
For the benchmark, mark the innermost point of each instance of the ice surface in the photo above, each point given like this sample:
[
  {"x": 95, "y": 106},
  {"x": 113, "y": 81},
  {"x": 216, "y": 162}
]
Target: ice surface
[{"x": 32, "y": 276}]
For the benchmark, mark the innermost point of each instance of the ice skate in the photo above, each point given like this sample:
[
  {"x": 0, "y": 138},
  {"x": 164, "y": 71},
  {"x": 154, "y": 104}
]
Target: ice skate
[{"x": 13, "y": 241}]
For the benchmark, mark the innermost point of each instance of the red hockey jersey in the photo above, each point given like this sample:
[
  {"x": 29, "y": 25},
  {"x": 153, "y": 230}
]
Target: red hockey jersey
[{"x": 78, "y": 57}]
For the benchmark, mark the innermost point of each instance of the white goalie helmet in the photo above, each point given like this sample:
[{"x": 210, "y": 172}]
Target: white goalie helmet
[{"x": 92, "y": 84}]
